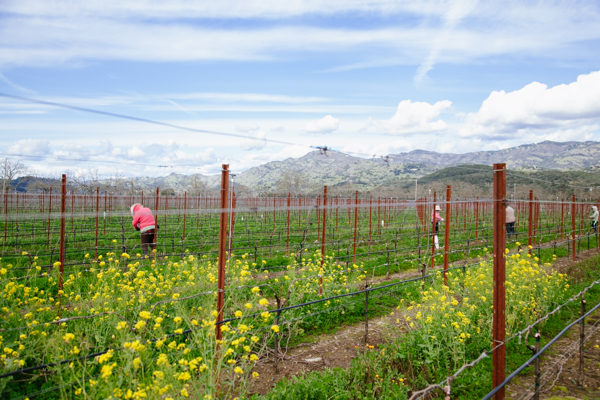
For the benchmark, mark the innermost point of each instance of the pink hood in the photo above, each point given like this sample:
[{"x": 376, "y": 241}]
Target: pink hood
[{"x": 142, "y": 216}]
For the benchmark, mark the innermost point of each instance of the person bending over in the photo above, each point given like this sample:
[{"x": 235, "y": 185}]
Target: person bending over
[
  {"x": 510, "y": 220},
  {"x": 143, "y": 221},
  {"x": 436, "y": 217},
  {"x": 594, "y": 218}
]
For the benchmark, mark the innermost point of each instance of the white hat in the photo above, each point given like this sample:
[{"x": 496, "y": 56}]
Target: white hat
[
  {"x": 438, "y": 208},
  {"x": 134, "y": 206}
]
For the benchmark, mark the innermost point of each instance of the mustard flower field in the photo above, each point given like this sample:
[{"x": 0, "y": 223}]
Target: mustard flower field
[
  {"x": 144, "y": 328},
  {"x": 151, "y": 323}
]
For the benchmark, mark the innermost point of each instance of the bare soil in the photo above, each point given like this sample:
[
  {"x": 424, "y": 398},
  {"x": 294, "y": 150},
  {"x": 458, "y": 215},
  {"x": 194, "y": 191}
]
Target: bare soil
[
  {"x": 329, "y": 350},
  {"x": 560, "y": 363},
  {"x": 339, "y": 348}
]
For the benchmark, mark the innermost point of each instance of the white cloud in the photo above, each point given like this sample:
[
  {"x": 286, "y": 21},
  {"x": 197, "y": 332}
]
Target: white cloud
[
  {"x": 268, "y": 9},
  {"x": 326, "y": 124},
  {"x": 411, "y": 118},
  {"x": 30, "y": 147},
  {"x": 181, "y": 157},
  {"x": 457, "y": 10},
  {"x": 106, "y": 146},
  {"x": 135, "y": 152},
  {"x": 35, "y": 33},
  {"x": 257, "y": 142},
  {"x": 73, "y": 147},
  {"x": 536, "y": 108},
  {"x": 246, "y": 127}
]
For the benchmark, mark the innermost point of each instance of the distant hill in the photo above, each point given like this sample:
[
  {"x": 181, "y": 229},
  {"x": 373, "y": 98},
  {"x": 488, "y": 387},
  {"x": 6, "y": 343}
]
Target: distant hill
[
  {"x": 333, "y": 169},
  {"x": 546, "y": 155}
]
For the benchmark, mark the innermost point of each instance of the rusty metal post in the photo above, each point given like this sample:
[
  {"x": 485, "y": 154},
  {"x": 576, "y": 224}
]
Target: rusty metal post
[
  {"x": 562, "y": 215},
  {"x": 97, "y": 217},
  {"x": 61, "y": 249},
  {"x": 287, "y": 239},
  {"x": 370, "y": 218},
  {"x": 573, "y": 227},
  {"x": 379, "y": 216},
  {"x": 447, "y": 233},
  {"x": 222, "y": 249},
  {"x": 184, "y": 212},
  {"x": 476, "y": 219},
  {"x": 538, "y": 372},
  {"x": 156, "y": 228},
  {"x": 499, "y": 317},
  {"x": 530, "y": 228},
  {"x": 323, "y": 237},
  {"x": 49, "y": 212},
  {"x": 355, "y": 227},
  {"x": 581, "y": 341},
  {"x": 433, "y": 232},
  {"x": 166, "y": 208},
  {"x": 536, "y": 218}
]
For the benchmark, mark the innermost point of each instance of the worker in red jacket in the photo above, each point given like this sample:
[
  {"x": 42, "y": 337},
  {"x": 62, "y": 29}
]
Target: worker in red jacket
[{"x": 143, "y": 221}]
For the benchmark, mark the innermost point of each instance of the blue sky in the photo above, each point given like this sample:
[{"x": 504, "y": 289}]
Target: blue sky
[{"x": 366, "y": 77}]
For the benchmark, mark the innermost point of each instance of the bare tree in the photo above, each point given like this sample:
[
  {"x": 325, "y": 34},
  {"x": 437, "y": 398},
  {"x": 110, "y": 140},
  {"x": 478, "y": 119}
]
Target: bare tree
[
  {"x": 10, "y": 169},
  {"x": 291, "y": 181},
  {"x": 44, "y": 182},
  {"x": 116, "y": 183},
  {"x": 85, "y": 181},
  {"x": 196, "y": 186}
]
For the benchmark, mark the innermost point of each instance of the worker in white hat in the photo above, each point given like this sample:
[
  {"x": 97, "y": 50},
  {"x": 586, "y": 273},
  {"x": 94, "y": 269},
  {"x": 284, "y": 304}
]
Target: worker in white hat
[{"x": 436, "y": 217}]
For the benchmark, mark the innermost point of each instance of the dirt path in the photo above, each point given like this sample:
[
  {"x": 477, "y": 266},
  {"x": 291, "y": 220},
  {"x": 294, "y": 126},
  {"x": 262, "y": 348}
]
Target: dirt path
[
  {"x": 559, "y": 367},
  {"x": 560, "y": 364},
  {"x": 339, "y": 348},
  {"x": 332, "y": 349},
  {"x": 327, "y": 351}
]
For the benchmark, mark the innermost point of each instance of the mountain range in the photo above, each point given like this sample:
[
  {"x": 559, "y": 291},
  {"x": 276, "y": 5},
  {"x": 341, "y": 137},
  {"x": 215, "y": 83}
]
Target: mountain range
[{"x": 336, "y": 169}]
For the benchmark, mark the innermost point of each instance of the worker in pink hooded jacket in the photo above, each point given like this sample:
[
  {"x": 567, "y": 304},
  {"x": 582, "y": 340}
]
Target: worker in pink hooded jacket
[
  {"x": 436, "y": 217},
  {"x": 143, "y": 221}
]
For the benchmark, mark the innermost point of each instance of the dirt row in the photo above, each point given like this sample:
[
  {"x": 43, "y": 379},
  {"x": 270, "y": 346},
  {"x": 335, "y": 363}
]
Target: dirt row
[{"x": 338, "y": 349}]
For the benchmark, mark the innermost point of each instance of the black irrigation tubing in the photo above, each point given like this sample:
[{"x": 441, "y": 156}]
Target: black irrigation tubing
[
  {"x": 165, "y": 238},
  {"x": 330, "y": 244},
  {"x": 376, "y": 238},
  {"x": 182, "y": 254},
  {"x": 87, "y": 317},
  {"x": 539, "y": 353},
  {"x": 361, "y": 238},
  {"x": 484, "y": 354},
  {"x": 211, "y": 292},
  {"x": 43, "y": 366},
  {"x": 557, "y": 308},
  {"x": 329, "y": 298}
]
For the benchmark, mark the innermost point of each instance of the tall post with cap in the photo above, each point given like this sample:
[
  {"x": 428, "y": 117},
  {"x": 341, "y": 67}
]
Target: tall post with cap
[
  {"x": 499, "y": 315},
  {"x": 222, "y": 249}
]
